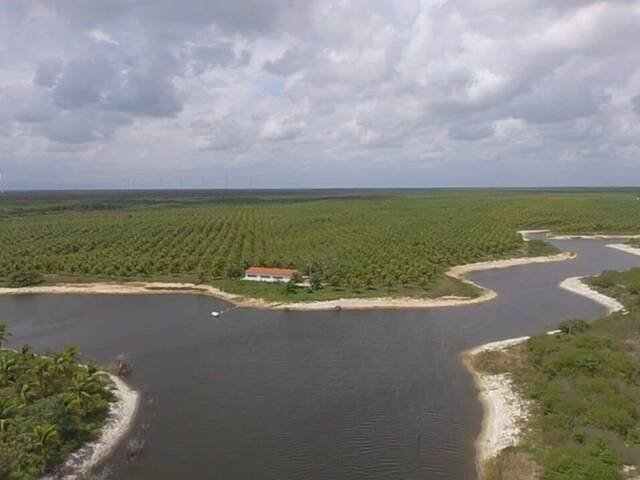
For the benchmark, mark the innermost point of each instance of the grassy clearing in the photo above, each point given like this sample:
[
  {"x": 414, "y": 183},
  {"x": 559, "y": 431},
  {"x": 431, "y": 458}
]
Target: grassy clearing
[{"x": 585, "y": 386}]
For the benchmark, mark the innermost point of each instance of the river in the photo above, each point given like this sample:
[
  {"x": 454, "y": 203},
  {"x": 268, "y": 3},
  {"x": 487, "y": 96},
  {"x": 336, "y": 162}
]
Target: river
[{"x": 273, "y": 395}]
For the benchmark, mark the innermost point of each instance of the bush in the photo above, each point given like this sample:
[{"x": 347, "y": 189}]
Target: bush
[{"x": 29, "y": 279}]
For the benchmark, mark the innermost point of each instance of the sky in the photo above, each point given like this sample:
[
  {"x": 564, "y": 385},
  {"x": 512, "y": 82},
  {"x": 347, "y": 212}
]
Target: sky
[{"x": 319, "y": 93}]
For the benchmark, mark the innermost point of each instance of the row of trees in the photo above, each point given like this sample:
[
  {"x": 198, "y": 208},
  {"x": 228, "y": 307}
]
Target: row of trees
[
  {"x": 350, "y": 242},
  {"x": 49, "y": 406}
]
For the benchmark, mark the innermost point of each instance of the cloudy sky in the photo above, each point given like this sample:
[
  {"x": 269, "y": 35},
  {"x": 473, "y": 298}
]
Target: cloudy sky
[{"x": 333, "y": 93}]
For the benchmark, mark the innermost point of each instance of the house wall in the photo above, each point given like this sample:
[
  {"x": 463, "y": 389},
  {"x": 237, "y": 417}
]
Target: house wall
[{"x": 267, "y": 278}]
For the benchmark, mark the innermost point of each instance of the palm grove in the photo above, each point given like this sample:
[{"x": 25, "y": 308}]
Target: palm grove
[{"x": 49, "y": 406}]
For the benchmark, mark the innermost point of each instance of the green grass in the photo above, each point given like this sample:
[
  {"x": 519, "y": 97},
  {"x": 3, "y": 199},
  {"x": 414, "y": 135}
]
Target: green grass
[
  {"x": 360, "y": 242},
  {"x": 585, "y": 388},
  {"x": 441, "y": 286}
]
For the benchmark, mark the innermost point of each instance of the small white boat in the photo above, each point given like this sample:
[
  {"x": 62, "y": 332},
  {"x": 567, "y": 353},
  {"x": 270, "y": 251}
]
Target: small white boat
[{"x": 215, "y": 314}]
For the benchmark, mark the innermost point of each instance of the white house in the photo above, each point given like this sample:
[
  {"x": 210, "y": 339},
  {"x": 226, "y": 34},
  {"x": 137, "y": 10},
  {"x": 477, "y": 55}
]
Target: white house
[{"x": 263, "y": 274}]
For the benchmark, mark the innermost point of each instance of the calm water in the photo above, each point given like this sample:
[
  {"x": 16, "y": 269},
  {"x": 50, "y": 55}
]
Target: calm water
[{"x": 285, "y": 395}]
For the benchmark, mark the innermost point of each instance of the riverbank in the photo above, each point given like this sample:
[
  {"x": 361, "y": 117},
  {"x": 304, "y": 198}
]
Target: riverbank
[
  {"x": 121, "y": 416},
  {"x": 577, "y": 286},
  {"x": 137, "y": 288},
  {"x": 625, "y": 248},
  {"x": 505, "y": 411}
]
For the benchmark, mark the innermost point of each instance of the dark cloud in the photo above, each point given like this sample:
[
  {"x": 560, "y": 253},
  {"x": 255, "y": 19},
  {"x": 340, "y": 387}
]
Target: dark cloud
[
  {"x": 470, "y": 132},
  {"x": 292, "y": 60},
  {"x": 635, "y": 101},
  {"x": 82, "y": 83},
  {"x": 218, "y": 55},
  {"x": 48, "y": 72},
  {"x": 143, "y": 95},
  {"x": 82, "y": 127}
]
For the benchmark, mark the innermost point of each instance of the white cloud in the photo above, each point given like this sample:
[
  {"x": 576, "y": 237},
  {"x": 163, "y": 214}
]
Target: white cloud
[
  {"x": 102, "y": 37},
  {"x": 368, "y": 85},
  {"x": 281, "y": 128}
]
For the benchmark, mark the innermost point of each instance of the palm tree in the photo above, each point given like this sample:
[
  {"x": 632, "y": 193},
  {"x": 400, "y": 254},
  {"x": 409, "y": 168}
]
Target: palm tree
[
  {"x": 4, "y": 333},
  {"x": 23, "y": 390},
  {"x": 7, "y": 366},
  {"x": 60, "y": 363},
  {"x": 8, "y": 409},
  {"x": 25, "y": 351},
  {"x": 72, "y": 354},
  {"x": 79, "y": 394},
  {"x": 42, "y": 439},
  {"x": 42, "y": 371}
]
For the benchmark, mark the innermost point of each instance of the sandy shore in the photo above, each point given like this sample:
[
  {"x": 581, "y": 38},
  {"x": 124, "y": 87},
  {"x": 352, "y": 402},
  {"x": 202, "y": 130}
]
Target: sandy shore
[
  {"x": 575, "y": 285},
  {"x": 526, "y": 234},
  {"x": 589, "y": 237},
  {"x": 137, "y": 288},
  {"x": 504, "y": 410},
  {"x": 625, "y": 248},
  {"x": 123, "y": 411}
]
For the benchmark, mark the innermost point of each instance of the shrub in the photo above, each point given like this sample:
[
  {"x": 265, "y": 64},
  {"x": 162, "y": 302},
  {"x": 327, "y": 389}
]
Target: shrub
[{"x": 18, "y": 280}]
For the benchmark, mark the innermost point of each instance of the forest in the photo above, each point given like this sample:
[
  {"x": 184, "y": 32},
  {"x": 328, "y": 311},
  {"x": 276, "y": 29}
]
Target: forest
[
  {"x": 350, "y": 240},
  {"x": 584, "y": 387},
  {"x": 49, "y": 407}
]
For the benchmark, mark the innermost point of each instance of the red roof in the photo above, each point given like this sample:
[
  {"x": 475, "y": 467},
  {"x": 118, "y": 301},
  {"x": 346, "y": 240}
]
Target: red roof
[{"x": 281, "y": 272}]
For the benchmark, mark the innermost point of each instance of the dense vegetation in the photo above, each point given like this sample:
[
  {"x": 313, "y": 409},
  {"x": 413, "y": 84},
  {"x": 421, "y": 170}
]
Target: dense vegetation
[
  {"x": 49, "y": 407},
  {"x": 359, "y": 242},
  {"x": 585, "y": 388},
  {"x": 27, "y": 279}
]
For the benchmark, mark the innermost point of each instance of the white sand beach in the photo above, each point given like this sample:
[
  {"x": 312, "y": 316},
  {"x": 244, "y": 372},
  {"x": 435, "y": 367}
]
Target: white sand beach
[
  {"x": 625, "y": 248},
  {"x": 575, "y": 285},
  {"x": 123, "y": 412},
  {"x": 504, "y": 410}
]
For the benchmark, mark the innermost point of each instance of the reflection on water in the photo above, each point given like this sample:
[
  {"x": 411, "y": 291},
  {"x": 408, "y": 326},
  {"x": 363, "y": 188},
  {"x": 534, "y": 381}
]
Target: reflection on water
[{"x": 287, "y": 395}]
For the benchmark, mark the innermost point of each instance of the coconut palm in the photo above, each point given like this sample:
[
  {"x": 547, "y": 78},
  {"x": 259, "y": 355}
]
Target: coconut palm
[
  {"x": 79, "y": 394},
  {"x": 42, "y": 371},
  {"x": 8, "y": 409},
  {"x": 25, "y": 351},
  {"x": 72, "y": 354},
  {"x": 7, "y": 367},
  {"x": 42, "y": 439},
  {"x": 23, "y": 389},
  {"x": 4, "y": 333}
]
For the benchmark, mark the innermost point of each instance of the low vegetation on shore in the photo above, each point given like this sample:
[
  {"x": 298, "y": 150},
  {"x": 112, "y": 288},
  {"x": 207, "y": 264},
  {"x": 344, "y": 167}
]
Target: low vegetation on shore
[
  {"x": 356, "y": 244},
  {"x": 49, "y": 407},
  {"x": 584, "y": 389}
]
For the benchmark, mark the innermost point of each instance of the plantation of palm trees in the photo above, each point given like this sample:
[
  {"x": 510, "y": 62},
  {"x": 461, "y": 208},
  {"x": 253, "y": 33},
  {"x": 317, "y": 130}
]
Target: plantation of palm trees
[
  {"x": 355, "y": 243},
  {"x": 49, "y": 406}
]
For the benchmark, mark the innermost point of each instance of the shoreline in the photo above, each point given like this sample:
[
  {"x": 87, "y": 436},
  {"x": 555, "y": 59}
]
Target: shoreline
[
  {"x": 458, "y": 272},
  {"x": 121, "y": 416},
  {"x": 575, "y": 285},
  {"x": 503, "y": 408},
  {"x": 625, "y": 248}
]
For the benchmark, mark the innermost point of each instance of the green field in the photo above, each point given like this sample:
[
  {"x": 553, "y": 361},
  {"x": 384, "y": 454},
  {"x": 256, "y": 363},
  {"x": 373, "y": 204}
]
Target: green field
[
  {"x": 585, "y": 389},
  {"x": 359, "y": 243}
]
